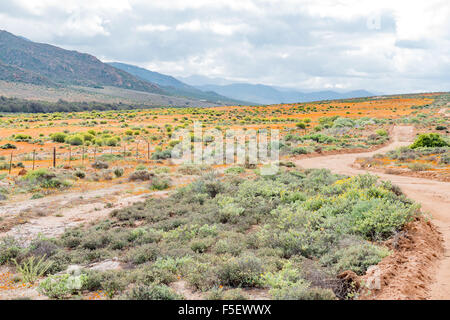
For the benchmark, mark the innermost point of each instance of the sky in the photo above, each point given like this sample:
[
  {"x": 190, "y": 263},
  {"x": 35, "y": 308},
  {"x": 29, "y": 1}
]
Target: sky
[{"x": 381, "y": 46}]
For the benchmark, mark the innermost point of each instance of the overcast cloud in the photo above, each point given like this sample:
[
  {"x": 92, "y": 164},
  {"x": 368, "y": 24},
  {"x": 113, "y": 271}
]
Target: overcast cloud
[{"x": 383, "y": 46}]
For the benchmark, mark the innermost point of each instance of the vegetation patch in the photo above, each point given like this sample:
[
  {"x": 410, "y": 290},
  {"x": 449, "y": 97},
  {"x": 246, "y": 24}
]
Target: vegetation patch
[{"x": 291, "y": 234}]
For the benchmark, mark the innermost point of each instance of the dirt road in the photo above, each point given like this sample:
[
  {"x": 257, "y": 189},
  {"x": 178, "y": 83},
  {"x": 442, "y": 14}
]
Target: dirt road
[{"x": 434, "y": 196}]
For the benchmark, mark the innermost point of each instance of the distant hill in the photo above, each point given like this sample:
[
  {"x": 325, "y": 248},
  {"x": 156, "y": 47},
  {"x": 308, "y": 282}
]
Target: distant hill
[
  {"x": 198, "y": 80},
  {"x": 22, "y": 60},
  {"x": 38, "y": 64},
  {"x": 269, "y": 95},
  {"x": 173, "y": 86}
]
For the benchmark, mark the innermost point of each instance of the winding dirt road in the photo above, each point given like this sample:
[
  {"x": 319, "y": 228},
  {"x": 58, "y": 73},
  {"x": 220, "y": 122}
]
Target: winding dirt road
[{"x": 434, "y": 196}]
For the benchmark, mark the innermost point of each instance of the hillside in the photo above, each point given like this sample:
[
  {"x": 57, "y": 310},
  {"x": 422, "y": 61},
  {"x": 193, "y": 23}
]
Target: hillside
[
  {"x": 173, "y": 86},
  {"x": 89, "y": 95},
  {"x": 25, "y": 61}
]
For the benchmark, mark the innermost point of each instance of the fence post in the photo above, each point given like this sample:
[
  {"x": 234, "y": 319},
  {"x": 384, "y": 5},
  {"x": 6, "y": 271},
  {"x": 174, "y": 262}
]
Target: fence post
[
  {"x": 137, "y": 151},
  {"x": 95, "y": 154},
  {"x": 54, "y": 157},
  {"x": 10, "y": 162},
  {"x": 82, "y": 156},
  {"x": 124, "y": 152},
  {"x": 34, "y": 157}
]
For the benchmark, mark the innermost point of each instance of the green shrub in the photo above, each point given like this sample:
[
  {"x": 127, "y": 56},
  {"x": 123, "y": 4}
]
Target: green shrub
[
  {"x": 230, "y": 246},
  {"x": 419, "y": 166},
  {"x": 200, "y": 245},
  {"x": 22, "y": 137},
  {"x": 160, "y": 183},
  {"x": 141, "y": 167},
  {"x": 299, "y": 150},
  {"x": 9, "y": 250},
  {"x": 445, "y": 159},
  {"x": 31, "y": 268},
  {"x": 111, "y": 282},
  {"x": 429, "y": 140},
  {"x": 378, "y": 219},
  {"x": 60, "y": 287},
  {"x": 4, "y": 166},
  {"x": 193, "y": 169},
  {"x": 141, "y": 175},
  {"x": 8, "y": 146},
  {"x": 80, "y": 174},
  {"x": 300, "y": 291},
  {"x": 37, "y": 195},
  {"x": 162, "y": 155},
  {"x": 241, "y": 272},
  {"x": 109, "y": 157},
  {"x": 45, "y": 179},
  {"x": 142, "y": 254},
  {"x": 202, "y": 276},
  {"x": 153, "y": 292},
  {"x": 100, "y": 165},
  {"x": 381, "y": 132},
  {"x": 357, "y": 258},
  {"x": 118, "y": 172},
  {"x": 234, "y": 294},
  {"x": 234, "y": 170},
  {"x": 75, "y": 140},
  {"x": 343, "y": 122},
  {"x": 58, "y": 137},
  {"x": 111, "y": 142}
]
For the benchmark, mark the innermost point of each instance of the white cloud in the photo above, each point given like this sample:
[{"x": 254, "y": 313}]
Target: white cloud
[
  {"x": 224, "y": 29},
  {"x": 152, "y": 28},
  {"x": 40, "y": 6},
  {"x": 302, "y": 43}
]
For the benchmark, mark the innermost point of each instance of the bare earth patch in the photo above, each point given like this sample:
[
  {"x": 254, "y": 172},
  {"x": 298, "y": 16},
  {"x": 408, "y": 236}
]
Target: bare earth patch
[{"x": 407, "y": 273}]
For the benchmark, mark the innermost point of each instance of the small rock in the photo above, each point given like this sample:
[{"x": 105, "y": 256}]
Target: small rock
[
  {"x": 74, "y": 270},
  {"x": 110, "y": 264}
]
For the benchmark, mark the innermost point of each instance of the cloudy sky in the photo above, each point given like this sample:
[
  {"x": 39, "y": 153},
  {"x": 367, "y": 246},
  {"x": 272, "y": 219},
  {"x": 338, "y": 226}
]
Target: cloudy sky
[{"x": 385, "y": 45}]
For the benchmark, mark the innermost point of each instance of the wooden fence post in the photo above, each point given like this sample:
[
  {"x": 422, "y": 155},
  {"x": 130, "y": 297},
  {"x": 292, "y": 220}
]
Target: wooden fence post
[
  {"x": 148, "y": 150},
  {"x": 137, "y": 151},
  {"x": 34, "y": 157},
  {"x": 82, "y": 156},
  {"x": 54, "y": 157},
  {"x": 10, "y": 162}
]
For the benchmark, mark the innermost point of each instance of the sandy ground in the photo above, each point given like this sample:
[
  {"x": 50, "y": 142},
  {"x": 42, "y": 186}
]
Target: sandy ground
[
  {"x": 432, "y": 195},
  {"x": 56, "y": 213}
]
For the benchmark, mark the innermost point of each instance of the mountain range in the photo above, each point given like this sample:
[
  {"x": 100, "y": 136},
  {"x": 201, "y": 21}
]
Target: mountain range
[
  {"x": 263, "y": 94},
  {"x": 173, "y": 86},
  {"x": 25, "y": 61}
]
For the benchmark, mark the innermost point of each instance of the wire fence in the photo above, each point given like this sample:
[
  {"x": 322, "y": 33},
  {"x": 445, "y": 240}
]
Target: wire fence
[{"x": 76, "y": 156}]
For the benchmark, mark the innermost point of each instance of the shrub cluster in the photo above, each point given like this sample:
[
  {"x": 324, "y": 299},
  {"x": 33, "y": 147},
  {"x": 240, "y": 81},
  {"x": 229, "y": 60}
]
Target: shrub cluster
[{"x": 238, "y": 233}]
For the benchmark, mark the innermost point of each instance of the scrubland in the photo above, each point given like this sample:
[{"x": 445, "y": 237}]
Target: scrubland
[{"x": 220, "y": 231}]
